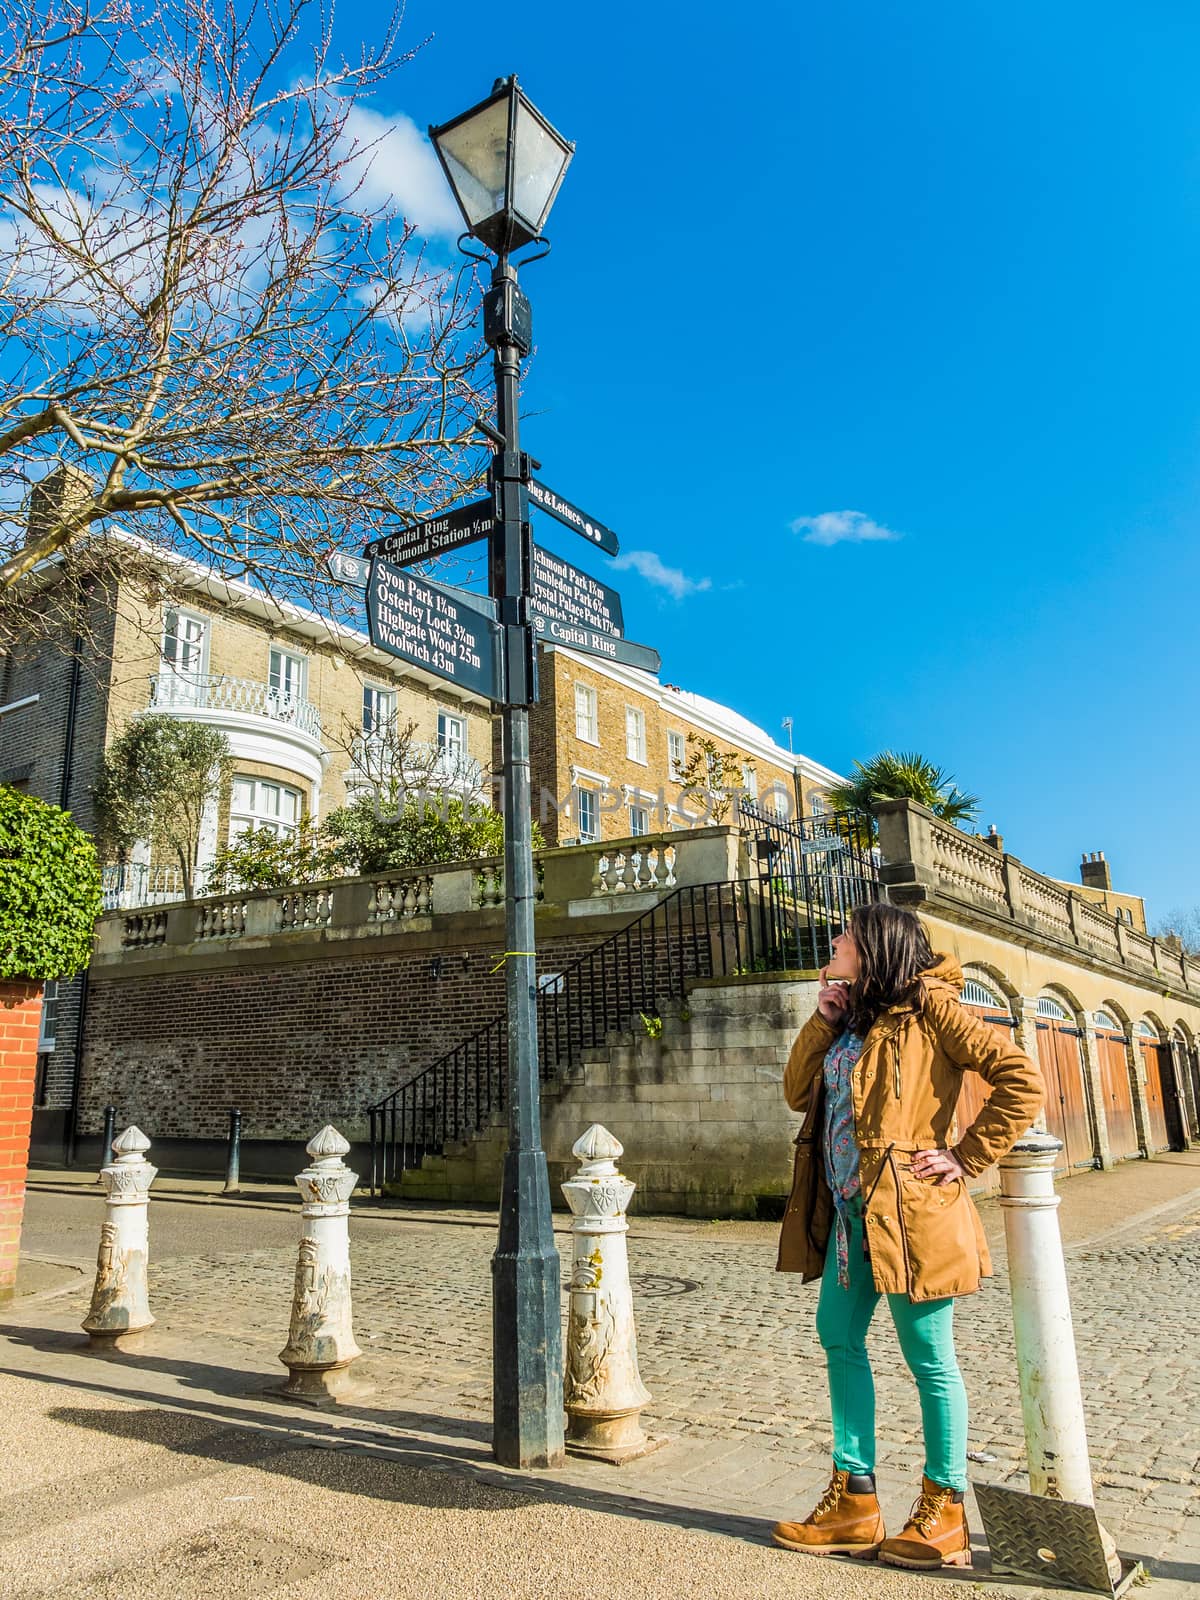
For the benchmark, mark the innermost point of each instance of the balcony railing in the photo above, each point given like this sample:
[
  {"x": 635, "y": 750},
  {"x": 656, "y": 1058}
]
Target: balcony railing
[{"x": 217, "y": 691}]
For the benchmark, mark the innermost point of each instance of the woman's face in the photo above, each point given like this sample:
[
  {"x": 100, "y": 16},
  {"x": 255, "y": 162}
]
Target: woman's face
[{"x": 845, "y": 963}]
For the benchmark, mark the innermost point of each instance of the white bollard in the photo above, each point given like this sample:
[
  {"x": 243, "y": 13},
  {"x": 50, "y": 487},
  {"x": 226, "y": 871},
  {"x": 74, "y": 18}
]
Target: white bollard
[
  {"x": 1056, "y": 1442},
  {"x": 321, "y": 1343},
  {"x": 120, "y": 1308},
  {"x": 604, "y": 1393}
]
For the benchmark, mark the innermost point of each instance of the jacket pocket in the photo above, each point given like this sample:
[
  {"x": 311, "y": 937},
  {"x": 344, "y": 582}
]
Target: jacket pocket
[{"x": 941, "y": 1243}]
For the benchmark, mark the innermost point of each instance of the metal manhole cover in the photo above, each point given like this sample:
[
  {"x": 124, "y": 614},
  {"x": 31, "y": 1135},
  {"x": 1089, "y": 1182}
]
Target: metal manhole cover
[{"x": 654, "y": 1283}]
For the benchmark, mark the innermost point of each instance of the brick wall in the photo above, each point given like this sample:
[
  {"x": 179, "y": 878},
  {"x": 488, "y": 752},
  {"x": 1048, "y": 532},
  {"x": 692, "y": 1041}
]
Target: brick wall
[
  {"x": 556, "y": 747},
  {"x": 20, "y": 1010},
  {"x": 293, "y": 1044}
]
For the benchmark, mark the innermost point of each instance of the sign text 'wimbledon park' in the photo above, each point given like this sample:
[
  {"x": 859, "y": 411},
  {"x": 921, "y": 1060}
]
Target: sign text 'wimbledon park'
[{"x": 561, "y": 590}]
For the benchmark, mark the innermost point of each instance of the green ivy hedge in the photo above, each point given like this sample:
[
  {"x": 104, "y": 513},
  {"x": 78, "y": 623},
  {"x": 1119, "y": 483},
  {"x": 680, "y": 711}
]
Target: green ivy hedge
[{"x": 49, "y": 890}]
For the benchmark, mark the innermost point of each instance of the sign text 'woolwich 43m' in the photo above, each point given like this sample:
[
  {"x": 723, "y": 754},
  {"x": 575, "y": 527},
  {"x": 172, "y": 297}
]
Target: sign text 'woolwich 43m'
[{"x": 446, "y": 631}]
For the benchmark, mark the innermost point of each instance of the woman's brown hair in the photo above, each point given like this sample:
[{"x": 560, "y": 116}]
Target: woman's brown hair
[{"x": 893, "y": 950}]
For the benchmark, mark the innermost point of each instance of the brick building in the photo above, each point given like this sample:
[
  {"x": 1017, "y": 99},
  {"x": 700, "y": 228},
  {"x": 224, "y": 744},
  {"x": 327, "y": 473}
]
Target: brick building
[
  {"x": 304, "y": 702},
  {"x": 1095, "y": 885},
  {"x": 608, "y": 743}
]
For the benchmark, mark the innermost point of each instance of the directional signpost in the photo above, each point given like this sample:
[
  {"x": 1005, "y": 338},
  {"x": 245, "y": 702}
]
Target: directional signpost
[
  {"x": 574, "y": 636},
  {"x": 446, "y": 631},
  {"x": 436, "y": 535},
  {"x": 559, "y": 589},
  {"x": 591, "y": 530},
  {"x": 566, "y": 607}
]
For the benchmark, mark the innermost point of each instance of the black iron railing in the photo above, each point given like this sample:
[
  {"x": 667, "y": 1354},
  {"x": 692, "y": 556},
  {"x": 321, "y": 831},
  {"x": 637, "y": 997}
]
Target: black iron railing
[
  {"x": 774, "y": 922},
  {"x": 813, "y": 872}
]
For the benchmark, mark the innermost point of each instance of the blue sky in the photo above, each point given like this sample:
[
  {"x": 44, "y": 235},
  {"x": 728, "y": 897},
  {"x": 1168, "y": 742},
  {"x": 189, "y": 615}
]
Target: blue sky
[{"x": 936, "y": 265}]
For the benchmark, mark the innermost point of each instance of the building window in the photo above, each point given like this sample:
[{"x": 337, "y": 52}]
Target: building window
[
  {"x": 452, "y": 733},
  {"x": 817, "y": 804},
  {"x": 48, "y": 1024},
  {"x": 183, "y": 641},
  {"x": 587, "y": 717},
  {"x": 635, "y": 734},
  {"x": 750, "y": 782},
  {"x": 639, "y": 821},
  {"x": 676, "y": 756},
  {"x": 286, "y": 674},
  {"x": 588, "y": 804},
  {"x": 379, "y": 708},
  {"x": 259, "y": 803}
]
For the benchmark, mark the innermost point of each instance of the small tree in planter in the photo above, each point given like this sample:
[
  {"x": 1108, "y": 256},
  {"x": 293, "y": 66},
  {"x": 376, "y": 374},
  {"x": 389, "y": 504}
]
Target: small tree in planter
[{"x": 49, "y": 902}]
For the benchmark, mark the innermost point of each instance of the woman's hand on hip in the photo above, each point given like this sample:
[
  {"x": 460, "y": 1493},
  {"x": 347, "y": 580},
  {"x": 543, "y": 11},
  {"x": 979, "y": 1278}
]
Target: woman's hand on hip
[
  {"x": 833, "y": 1001},
  {"x": 937, "y": 1166}
]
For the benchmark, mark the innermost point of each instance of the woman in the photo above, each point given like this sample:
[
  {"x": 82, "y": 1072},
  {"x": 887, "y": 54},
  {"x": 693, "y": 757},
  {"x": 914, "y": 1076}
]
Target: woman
[{"x": 879, "y": 1205}]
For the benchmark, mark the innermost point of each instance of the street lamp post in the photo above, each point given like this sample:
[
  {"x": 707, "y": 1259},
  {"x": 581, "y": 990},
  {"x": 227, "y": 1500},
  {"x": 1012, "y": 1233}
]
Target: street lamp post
[{"x": 504, "y": 163}]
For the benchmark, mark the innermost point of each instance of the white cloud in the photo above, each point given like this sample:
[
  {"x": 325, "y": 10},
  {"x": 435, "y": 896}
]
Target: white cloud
[
  {"x": 842, "y": 527},
  {"x": 394, "y": 167},
  {"x": 654, "y": 570}
]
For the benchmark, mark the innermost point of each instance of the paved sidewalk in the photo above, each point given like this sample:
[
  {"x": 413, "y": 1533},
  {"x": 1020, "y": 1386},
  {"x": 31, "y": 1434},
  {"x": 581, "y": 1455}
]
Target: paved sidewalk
[{"x": 727, "y": 1349}]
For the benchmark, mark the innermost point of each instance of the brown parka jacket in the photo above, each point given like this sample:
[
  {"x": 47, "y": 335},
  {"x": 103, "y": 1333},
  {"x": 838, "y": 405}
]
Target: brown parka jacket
[{"x": 925, "y": 1240}]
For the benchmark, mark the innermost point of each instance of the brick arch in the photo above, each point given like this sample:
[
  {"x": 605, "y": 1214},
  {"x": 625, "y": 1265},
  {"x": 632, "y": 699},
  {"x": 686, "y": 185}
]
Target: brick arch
[
  {"x": 1118, "y": 1011},
  {"x": 993, "y": 978},
  {"x": 1067, "y": 998}
]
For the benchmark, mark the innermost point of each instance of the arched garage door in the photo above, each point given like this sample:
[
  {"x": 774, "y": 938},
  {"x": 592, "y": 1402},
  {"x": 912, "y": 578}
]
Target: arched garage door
[
  {"x": 1162, "y": 1105},
  {"x": 1067, "y": 1114},
  {"x": 982, "y": 1001},
  {"x": 1115, "y": 1086}
]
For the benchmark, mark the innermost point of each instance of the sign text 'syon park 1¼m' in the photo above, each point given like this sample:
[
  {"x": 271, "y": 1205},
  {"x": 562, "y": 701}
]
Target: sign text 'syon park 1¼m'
[{"x": 443, "y": 630}]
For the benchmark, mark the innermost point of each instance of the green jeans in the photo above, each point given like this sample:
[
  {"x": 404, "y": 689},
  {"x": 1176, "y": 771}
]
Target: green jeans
[{"x": 926, "y": 1335}]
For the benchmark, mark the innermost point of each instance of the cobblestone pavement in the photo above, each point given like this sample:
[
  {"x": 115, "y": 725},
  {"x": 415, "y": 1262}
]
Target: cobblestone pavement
[{"x": 729, "y": 1352}]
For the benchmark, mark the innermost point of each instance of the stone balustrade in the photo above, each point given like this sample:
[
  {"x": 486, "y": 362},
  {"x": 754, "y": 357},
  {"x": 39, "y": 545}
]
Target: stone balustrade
[
  {"x": 927, "y": 860},
  {"x": 578, "y": 880}
]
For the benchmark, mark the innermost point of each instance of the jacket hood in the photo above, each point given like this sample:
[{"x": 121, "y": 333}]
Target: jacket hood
[{"x": 945, "y": 973}]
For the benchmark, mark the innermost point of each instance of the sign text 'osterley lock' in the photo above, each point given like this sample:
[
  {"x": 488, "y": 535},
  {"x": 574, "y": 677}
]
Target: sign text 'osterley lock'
[{"x": 446, "y": 631}]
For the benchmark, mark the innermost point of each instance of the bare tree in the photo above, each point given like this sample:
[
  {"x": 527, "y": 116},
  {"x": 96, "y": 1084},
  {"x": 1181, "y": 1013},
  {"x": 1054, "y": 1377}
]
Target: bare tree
[
  {"x": 1181, "y": 923},
  {"x": 391, "y": 764},
  {"x": 213, "y": 326}
]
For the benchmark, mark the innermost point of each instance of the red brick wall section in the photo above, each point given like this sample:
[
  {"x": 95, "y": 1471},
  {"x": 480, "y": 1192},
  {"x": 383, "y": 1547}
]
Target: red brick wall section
[
  {"x": 293, "y": 1046},
  {"x": 20, "y": 1012}
]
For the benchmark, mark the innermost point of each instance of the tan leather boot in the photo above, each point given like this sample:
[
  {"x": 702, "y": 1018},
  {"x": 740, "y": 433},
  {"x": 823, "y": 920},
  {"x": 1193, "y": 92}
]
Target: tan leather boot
[
  {"x": 846, "y": 1521},
  {"x": 935, "y": 1534}
]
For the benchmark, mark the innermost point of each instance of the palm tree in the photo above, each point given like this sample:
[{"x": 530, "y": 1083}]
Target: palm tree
[{"x": 904, "y": 776}]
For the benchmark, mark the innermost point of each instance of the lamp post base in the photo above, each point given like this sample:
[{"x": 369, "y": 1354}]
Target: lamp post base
[{"x": 527, "y": 1368}]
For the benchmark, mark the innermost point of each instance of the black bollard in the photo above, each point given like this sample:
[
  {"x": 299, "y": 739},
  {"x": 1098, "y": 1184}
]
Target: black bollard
[
  {"x": 233, "y": 1160},
  {"x": 110, "y": 1133}
]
